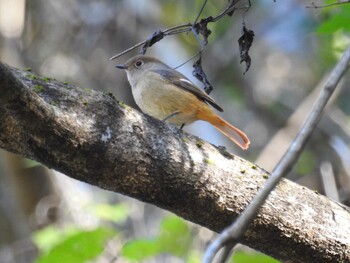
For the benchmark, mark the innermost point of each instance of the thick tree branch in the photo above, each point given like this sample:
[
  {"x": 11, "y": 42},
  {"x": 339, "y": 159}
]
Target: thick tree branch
[{"x": 91, "y": 137}]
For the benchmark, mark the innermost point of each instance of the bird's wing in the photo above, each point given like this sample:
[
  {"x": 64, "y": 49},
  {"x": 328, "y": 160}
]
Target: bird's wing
[{"x": 182, "y": 82}]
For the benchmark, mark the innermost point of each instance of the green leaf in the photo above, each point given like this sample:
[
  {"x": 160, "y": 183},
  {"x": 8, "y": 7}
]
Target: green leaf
[
  {"x": 50, "y": 236},
  {"x": 80, "y": 247},
  {"x": 337, "y": 20},
  {"x": 243, "y": 257},
  {"x": 175, "y": 236},
  {"x": 335, "y": 23},
  {"x": 140, "y": 249},
  {"x": 117, "y": 213}
]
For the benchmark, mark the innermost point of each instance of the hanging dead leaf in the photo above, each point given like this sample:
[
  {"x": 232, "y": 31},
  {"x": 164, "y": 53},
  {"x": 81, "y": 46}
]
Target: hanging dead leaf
[
  {"x": 199, "y": 73},
  {"x": 202, "y": 28},
  {"x": 245, "y": 42},
  {"x": 154, "y": 38}
]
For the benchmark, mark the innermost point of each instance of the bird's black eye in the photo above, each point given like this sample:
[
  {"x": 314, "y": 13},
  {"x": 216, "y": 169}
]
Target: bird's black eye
[{"x": 139, "y": 63}]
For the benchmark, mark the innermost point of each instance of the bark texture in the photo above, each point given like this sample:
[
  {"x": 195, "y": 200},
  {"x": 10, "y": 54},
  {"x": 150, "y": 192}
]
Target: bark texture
[{"x": 90, "y": 136}]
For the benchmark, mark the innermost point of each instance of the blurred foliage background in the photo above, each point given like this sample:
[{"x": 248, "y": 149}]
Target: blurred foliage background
[{"x": 48, "y": 217}]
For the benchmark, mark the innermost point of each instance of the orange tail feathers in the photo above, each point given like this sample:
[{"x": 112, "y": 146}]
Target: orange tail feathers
[{"x": 233, "y": 133}]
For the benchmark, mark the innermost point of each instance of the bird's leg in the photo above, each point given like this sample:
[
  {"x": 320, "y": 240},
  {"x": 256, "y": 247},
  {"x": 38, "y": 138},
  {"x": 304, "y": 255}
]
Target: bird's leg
[{"x": 171, "y": 115}]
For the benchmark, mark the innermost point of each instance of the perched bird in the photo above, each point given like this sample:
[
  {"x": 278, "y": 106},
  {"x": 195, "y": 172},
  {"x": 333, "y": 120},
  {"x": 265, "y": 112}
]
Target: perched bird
[{"x": 166, "y": 94}]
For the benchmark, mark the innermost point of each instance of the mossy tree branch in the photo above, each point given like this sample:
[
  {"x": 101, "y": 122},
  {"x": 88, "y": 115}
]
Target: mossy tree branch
[{"x": 90, "y": 136}]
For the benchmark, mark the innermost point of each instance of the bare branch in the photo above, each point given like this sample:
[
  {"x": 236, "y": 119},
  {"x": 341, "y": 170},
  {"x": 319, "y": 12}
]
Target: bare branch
[
  {"x": 235, "y": 232},
  {"x": 166, "y": 32},
  {"x": 200, "y": 11},
  {"x": 185, "y": 27},
  {"x": 313, "y": 5}
]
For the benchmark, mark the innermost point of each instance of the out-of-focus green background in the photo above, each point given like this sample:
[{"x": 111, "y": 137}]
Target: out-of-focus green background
[{"x": 48, "y": 217}]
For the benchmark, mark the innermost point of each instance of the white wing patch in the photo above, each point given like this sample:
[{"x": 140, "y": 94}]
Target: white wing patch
[{"x": 187, "y": 81}]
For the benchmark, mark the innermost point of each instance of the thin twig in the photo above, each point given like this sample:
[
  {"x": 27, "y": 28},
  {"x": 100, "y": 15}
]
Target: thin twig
[
  {"x": 313, "y": 5},
  {"x": 233, "y": 233},
  {"x": 188, "y": 60},
  {"x": 198, "y": 38},
  {"x": 200, "y": 12},
  {"x": 179, "y": 31},
  {"x": 169, "y": 31},
  {"x": 128, "y": 50},
  {"x": 246, "y": 12},
  {"x": 183, "y": 28},
  {"x": 229, "y": 8}
]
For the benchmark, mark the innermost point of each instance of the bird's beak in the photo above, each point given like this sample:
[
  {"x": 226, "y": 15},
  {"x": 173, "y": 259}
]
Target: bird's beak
[{"x": 121, "y": 66}]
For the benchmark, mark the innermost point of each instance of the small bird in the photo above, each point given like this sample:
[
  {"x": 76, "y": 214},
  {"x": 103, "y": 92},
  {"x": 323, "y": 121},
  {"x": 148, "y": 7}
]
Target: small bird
[{"x": 166, "y": 94}]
